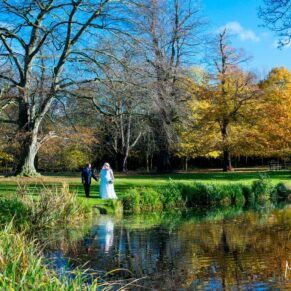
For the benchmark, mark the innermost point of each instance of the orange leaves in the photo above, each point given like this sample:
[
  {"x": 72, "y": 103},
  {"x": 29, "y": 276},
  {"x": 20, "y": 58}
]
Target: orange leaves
[{"x": 258, "y": 116}]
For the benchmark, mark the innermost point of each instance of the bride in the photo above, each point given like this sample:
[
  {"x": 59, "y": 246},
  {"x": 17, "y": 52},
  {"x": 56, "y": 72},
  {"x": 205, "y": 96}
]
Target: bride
[{"x": 106, "y": 184}]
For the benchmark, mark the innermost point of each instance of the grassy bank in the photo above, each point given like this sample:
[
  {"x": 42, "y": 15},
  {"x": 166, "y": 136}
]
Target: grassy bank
[
  {"x": 124, "y": 182},
  {"x": 197, "y": 195},
  {"x": 22, "y": 264},
  {"x": 47, "y": 203},
  {"x": 48, "y": 208}
]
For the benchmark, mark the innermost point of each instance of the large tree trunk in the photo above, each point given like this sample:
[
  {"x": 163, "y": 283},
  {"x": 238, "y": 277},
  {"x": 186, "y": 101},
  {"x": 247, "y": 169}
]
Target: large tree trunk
[
  {"x": 29, "y": 128},
  {"x": 226, "y": 161},
  {"x": 226, "y": 164},
  {"x": 26, "y": 165}
]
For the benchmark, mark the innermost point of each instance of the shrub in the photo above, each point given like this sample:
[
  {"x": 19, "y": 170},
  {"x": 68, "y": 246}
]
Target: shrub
[
  {"x": 116, "y": 206},
  {"x": 225, "y": 194},
  {"x": 237, "y": 197},
  {"x": 282, "y": 192},
  {"x": 198, "y": 194},
  {"x": 262, "y": 190},
  {"x": 248, "y": 195},
  {"x": 171, "y": 196},
  {"x": 178, "y": 195},
  {"x": 54, "y": 207},
  {"x": 142, "y": 199},
  {"x": 13, "y": 208},
  {"x": 219, "y": 195},
  {"x": 151, "y": 200},
  {"x": 195, "y": 194},
  {"x": 131, "y": 200}
]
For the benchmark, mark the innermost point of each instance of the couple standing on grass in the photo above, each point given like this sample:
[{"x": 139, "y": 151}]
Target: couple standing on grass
[{"x": 106, "y": 181}]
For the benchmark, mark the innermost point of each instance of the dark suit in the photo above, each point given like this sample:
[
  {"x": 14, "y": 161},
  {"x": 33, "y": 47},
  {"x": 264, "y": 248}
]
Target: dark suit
[{"x": 87, "y": 175}]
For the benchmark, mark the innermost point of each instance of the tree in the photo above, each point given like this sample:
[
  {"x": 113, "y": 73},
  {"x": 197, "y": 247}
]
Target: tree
[
  {"x": 276, "y": 15},
  {"x": 233, "y": 91},
  {"x": 220, "y": 104},
  {"x": 40, "y": 43},
  {"x": 122, "y": 108},
  {"x": 118, "y": 104},
  {"x": 168, "y": 32},
  {"x": 275, "y": 114},
  {"x": 71, "y": 150}
]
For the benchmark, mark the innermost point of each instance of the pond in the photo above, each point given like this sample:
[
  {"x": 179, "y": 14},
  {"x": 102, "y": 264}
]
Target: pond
[{"x": 247, "y": 251}]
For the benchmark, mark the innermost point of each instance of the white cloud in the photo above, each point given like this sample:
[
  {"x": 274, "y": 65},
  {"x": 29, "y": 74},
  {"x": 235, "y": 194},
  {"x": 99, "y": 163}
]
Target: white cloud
[
  {"x": 243, "y": 34},
  {"x": 265, "y": 34}
]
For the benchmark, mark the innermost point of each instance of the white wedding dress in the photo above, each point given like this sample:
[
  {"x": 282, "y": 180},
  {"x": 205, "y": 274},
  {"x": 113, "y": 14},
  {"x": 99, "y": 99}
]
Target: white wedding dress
[{"x": 106, "y": 185}]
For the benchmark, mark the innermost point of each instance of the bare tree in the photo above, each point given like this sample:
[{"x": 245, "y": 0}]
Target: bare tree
[
  {"x": 122, "y": 104},
  {"x": 41, "y": 40},
  {"x": 168, "y": 31},
  {"x": 276, "y": 15}
]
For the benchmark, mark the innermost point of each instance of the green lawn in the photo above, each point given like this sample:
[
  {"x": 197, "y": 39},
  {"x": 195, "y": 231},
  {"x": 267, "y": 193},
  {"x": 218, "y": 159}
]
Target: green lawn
[{"x": 122, "y": 182}]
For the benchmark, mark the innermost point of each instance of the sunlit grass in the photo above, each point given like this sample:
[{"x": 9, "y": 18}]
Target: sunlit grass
[{"x": 124, "y": 182}]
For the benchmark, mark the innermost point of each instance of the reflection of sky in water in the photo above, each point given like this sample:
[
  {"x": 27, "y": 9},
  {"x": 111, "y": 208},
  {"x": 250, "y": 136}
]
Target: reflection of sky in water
[
  {"x": 187, "y": 256},
  {"x": 58, "y": 262},
  {"x": 104, "y": 234}
]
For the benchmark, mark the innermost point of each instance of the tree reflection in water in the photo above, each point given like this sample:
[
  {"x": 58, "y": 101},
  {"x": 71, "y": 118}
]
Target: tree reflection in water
[{"x": 248, "y": 251}]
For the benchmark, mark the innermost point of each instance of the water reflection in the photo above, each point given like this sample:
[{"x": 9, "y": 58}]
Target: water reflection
[
  {"x": 248, "y": 252},
  {"x": 101, "y": 235}
]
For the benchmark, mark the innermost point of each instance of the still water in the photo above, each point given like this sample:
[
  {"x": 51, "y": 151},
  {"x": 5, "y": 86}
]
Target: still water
[{"x": 247, "y": 251}]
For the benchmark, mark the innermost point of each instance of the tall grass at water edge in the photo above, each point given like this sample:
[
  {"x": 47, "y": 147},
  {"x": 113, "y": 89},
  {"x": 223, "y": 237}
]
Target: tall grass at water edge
[
  {"x": 22, "y": 267},
  {"x": 22, "y": 264},
  {"x": 177, "y": 195},
  {"x": 50, "y": 208}
]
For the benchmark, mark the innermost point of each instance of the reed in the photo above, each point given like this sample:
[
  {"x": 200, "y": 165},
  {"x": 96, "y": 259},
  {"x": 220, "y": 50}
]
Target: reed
[
  {"x": 175, "y": 196},
  {"x": 23, "y": 267},
  {"x": 54, "y": 207}
]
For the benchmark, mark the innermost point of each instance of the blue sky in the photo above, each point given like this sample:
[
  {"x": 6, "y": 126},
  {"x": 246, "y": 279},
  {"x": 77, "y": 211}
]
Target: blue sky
[{"x": 240, "y": 16}]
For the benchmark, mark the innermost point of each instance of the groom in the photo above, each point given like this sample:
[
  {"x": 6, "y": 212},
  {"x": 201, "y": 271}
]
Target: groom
[{"x": 87, "y": 174}]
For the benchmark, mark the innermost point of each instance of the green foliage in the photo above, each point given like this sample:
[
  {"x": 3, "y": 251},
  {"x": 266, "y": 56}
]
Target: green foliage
[
  {"x": 141, "y": 199},
  {"x": 262, "y": 189},
  {"x": 171, "y": 196},
  {"x": 225, "y": 194},
  {"x": 54, "y": 207},
  {"x": 22, "y": 267},
  {"x": 179, "y": 196},
  {"x": 237, "y": 197},
  {"x": 151, "y": 200},
  {"x": 195, "y": 194},
  {"x": 213, "y": 194},
  {"x": 75, "y": 158},
  {"x": 131, "y": 200},
  {"x": 219, "y": 194},
  {"x": 282, "y": 192},
  {"x": 5, "y": 157},
  {"x": 204, "y": 195},
  {"x": 115, "y": 205},
  {"x": 13, "y": 208},
  {"x": 248, "y": 195}
]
